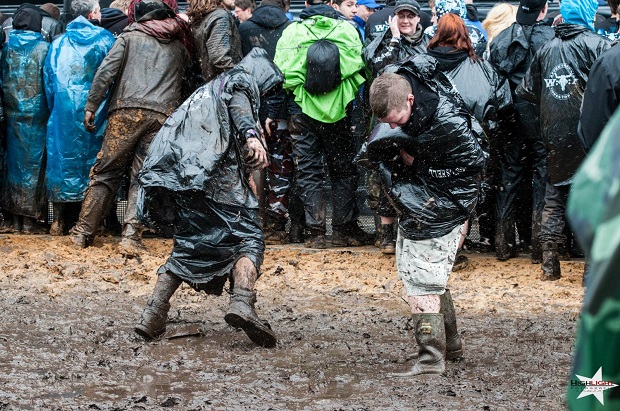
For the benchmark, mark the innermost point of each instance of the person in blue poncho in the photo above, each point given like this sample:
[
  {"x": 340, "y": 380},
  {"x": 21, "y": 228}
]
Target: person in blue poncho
[
  {"x": 26, "y": 112},
  {"x": 70, "y": 68}
]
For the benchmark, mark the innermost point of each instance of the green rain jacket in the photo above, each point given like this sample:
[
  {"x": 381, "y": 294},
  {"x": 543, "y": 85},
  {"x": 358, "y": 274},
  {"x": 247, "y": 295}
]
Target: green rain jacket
[{"x": 291, "y": 59}]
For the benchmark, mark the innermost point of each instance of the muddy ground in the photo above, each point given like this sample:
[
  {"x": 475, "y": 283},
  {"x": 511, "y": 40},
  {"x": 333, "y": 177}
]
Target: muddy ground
[{"x": 67, "y": 341}]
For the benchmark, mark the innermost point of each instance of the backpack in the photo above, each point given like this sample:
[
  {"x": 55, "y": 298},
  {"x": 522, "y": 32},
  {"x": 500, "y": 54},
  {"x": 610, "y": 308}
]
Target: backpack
[{"x": 322, "y": 66}]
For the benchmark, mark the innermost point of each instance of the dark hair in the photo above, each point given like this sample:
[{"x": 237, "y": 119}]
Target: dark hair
[
  {"x": 388, "y": 92},
  {"x": 278, "y": 3},
  {"x": 51, "y": 9},
  {"x": 451, "y": 31},
  {"x": 613, "y": 5},
  {"x": 245, "y": 4}
]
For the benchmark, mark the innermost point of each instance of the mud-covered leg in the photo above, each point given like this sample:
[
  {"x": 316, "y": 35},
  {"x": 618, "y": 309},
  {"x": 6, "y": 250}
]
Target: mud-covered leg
[
  {"x": 152, "y": 322},
  {"x": 241, "y": 312}
]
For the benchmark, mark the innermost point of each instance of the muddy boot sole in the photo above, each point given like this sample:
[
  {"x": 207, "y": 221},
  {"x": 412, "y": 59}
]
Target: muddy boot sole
[
  {"x": 259, "y": 333},
  {"x": 147, "y": 333}
]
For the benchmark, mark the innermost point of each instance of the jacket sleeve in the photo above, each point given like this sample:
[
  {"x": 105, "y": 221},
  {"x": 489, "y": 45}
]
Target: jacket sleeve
[
  {"x": 530, "y": 87},
  {"x": 240, "y": 112},
  {"x": 106, "y": 74},
  {"x": 218, "y": 44},
  {"x": 380, "y": 53},
  {"x": 599, "y": 102}
]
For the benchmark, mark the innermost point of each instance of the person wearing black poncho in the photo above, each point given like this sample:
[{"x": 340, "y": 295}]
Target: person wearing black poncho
[{"x": 195, "y": 179}]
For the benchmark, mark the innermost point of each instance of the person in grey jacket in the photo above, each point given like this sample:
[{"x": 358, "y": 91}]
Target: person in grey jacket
[
  {"x": 145, "y": 70},
  {"x": 216, "y": 37}
]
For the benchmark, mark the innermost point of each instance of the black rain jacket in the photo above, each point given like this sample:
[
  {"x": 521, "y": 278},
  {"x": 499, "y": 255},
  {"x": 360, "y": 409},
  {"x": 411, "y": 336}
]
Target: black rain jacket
[
  {"x": 263, "y": 29},
  {"x": 556, "y": 81},
  {"x": 440, "y": 190}
]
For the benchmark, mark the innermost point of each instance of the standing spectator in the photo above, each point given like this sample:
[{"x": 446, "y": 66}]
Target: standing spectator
[
  {"x": 601, "y": 97},
  {"x": 216, "y": 37},
  {"x": 523, "y": 157},
  {"x": 50, "y": 27},
  {"x": 263, "y": 30},
  {"x": 244, "y": 9},
  {"x": 70, "y": 68},
  {"x": 319, "y": 124},
  {"x": 378, "y": 23},
  {"x": 428, "y": 116},
  {"x": 441, "y": 7},
  {"x": 609, "y": 26},
  {"x": 365, "y": 9},
  {"x": 347, "y": 8},
  {"x": 555, "y": 82},
  {"x": 403, "y": 40},
  {"x": 201, "y": 172},
  {"x": 500, "y": 17},
  {"x": 148, "y": 63},
  {"x": 114, "y": 20},
  {"x": 486, "y": 95},
  {"x": 26, "y": 113}
]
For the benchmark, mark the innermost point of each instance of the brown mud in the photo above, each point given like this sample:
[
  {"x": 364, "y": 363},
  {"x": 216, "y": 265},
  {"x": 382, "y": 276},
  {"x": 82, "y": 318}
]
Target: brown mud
[{"x": 67, "y": 340}]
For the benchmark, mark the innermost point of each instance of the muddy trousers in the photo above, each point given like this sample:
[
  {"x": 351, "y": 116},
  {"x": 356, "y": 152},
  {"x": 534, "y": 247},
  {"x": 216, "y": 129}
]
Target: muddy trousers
[
  {"x": 553, "y": 216},
  {"x": 523, "y": 163},
  {"x": 127, "y": 138},
  {"x": 312, "y": 142}
]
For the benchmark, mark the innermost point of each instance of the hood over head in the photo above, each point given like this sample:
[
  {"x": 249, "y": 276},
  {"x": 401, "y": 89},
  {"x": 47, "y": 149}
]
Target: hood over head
[
  {"x": 258, "y": 64},
  {"x": 152, "y": 10},
  {"x": 28, "y": 17},
  {"x": 580, "y": 12}
]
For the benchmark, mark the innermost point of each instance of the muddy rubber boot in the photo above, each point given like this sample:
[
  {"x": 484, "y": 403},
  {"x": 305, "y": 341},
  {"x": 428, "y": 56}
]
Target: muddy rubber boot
[
  {"x": 454, "y": 345},
  {"x": 152, "y": 322},
  {"x": 550, "y": 262},
  {"x": 130, "y": 247},
  {"x": 388, "y": 242},
  {"x": 430, "y": 334},
  {"x": 241, "y": 314},
  {"x": 32, "y": 226},
  {"x": 275, "y": 233},
  {"x": 6, "y": 222},
  {"x": 461, "y": 261}
]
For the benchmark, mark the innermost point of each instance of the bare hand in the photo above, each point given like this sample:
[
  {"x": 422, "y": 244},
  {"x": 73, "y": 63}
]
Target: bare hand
[
  {"x": 393, "y": 22},
  {"x": 255, "y": 155},
  {"x": 89, "y": 121},
  {"x": 407, "y": 158},
  {"x": 268, "y": 124}
]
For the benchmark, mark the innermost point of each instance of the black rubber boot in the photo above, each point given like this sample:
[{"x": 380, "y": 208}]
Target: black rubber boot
[
  {"x": 275, "y": 233},
  {"x": 316, "y": 240},
  {"x": 430, "y": 334},
  {"x": 351, "y": 234},
  {"x": 388, "y": 241},
  {"x": 152, "y": 322},
  {"x": 550, "y": 262},
  {"x": 241, "y": 314},
  {"x": 454, "y": 345},
  {"x": 296, "y": 233}
]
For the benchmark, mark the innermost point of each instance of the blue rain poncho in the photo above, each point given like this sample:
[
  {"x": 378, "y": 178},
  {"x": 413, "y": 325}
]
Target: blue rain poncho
[
  {"x": 70, "y": 67},
  {"x": 26, "y": 113}
]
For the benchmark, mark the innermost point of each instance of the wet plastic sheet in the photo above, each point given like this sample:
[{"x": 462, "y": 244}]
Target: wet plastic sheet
[
  {"x": 26, "y": 114},
  {"x": 70, "y": 67}
]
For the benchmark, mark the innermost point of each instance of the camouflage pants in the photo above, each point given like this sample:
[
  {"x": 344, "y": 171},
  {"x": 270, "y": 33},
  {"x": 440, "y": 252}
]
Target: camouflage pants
[{"x": 425, "y": 265}]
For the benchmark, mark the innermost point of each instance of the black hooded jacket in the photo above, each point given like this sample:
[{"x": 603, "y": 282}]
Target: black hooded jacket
[
  {"x": 263, "y": 29},
  {"x": 485, "y": 92},
  {"x": 556, "y": 81},
  {"x": 440, "y": 190},
  {"x": 114, "y": 20},
  {"x": 601, "y": 97},
  {"x": 512, "y": 51}
]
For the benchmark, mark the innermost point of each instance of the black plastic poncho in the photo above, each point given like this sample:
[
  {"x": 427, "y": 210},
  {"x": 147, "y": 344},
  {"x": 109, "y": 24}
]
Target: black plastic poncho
[
  {"x": 195, "y": 181},
  {"x": 440, "y": 190}
]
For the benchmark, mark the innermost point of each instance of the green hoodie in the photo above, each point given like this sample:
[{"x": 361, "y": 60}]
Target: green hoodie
[{"x": 291, "y": 59}]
